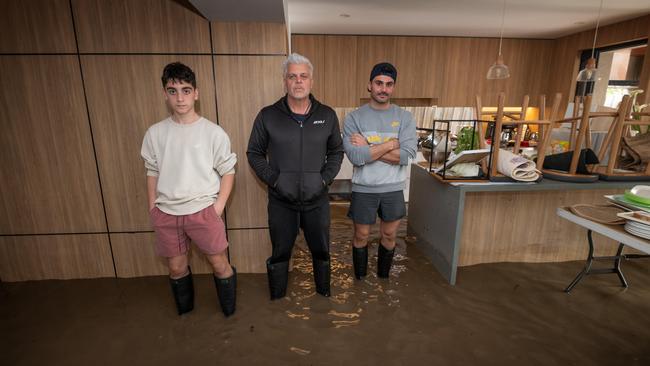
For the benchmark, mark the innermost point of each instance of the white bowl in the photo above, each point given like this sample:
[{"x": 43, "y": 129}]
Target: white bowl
[{"x": 641, "y": 191}]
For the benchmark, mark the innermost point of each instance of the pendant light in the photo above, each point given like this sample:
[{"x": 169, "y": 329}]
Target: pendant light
[
  {"x": 588, "y": 74},
  {"x": 499, "y": 70}
]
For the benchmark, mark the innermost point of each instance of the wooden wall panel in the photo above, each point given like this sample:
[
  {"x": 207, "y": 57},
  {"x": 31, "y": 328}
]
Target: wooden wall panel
[
  {"x": 249, "y": 38},
  {"x": 36, "y": 27},
  {"x": 491, "y": 233},
  {"x": 612, "y": 34},
  {"x": 337, "y": 76},
  {"x": 417, "y": 68},
  {"x": 47, "y": 167},
  {"x": 139, "y": 26},
  {"x": 466, "y": 63},
  {"x": 564, "y": 68},
  {"x": 238, "y": 106},
  {"x": 449, "y": 69},
  {"x": 313, "y": 47},
  {"x": 453, "y": 69},
  {"x": 25, "y": 258},
  {"x": 249, "y": 249},
  {"x": 135, "y": 256},
  {"x": 123, "y": 103}
]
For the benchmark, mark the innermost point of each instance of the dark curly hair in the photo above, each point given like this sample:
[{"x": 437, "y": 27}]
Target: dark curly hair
[{"x": 178, "y": 72}]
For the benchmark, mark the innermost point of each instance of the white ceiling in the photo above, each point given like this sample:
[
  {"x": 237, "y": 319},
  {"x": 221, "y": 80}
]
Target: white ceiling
[{"x": 467, "y": 18}]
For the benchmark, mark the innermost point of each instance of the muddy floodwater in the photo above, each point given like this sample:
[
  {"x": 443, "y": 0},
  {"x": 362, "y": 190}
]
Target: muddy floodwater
[{"x": 497, "y": 314}]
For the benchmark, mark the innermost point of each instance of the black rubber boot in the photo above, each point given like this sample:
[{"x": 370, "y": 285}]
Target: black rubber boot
[
  {"x": 360, "y": 262},
  {"x": 384, "y": 261},
  {"x": 227, "y": 292},
  {"x": 278, "y": 274},
  {"x": 322, "y": 276},
  {"x": 183, "y": 290}
]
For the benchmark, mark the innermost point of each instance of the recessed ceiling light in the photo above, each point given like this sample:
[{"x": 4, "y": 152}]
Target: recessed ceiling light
[{"x": 344, "y": 15}]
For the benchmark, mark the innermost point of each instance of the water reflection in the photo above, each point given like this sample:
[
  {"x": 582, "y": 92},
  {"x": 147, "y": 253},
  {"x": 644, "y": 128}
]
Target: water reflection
[{"x": 349, "y": 296}]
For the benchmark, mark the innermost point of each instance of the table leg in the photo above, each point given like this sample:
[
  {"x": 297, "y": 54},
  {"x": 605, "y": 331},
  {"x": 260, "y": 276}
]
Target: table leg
[
  {"x": 590, "y": 259},
  {"x": 617, "y": 264},
  {"x": 585, "y": 270}
]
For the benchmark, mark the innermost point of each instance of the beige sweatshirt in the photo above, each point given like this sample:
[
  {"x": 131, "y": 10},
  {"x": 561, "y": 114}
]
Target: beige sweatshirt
[{"x": 189, "y": 161}]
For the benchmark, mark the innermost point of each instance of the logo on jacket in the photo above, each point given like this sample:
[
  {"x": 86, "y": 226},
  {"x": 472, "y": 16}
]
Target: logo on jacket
[{"x": 319, "y": 122}]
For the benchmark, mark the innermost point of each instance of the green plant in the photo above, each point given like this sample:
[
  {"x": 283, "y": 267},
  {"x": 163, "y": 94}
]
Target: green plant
[{"x": 466, "y": 136}]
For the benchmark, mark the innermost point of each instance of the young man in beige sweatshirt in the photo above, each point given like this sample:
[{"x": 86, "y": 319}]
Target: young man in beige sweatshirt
[{"x": 190, "y": 174}]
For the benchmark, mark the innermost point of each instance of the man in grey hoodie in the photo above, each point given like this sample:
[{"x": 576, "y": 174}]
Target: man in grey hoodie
[{"x": 380, "y": 140}]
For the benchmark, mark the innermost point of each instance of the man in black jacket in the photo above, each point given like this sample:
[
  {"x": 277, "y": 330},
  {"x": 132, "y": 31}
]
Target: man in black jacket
[{"x": 296, "y": 148}]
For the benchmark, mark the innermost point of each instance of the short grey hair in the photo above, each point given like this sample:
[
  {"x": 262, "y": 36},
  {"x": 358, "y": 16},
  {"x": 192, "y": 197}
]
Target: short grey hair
[{"x": 296, "y": 59}]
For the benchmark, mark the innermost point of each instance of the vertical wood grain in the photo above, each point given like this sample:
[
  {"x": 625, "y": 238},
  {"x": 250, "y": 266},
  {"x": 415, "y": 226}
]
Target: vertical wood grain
[
  {"x": 337, "y": 75},
  {"x": 47, "y": 165},
  {"x": 34, "y": 26},
  {"x": 139, "y": 26},
  {"x": 491, "y": 233},
  {"x": 450, "y": 70},
  {"x": 313, "y": 47},
  {"x": 249, "y": 249},
  {"x": 249, "y": 38},
  {"x": 25, "y": 258}
]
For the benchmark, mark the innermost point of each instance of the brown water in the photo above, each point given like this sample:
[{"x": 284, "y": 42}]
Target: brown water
[{"x": 497, "y": 314}]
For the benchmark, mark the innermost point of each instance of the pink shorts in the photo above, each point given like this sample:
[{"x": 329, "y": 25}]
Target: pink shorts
[{"x": 174, "y": 233}]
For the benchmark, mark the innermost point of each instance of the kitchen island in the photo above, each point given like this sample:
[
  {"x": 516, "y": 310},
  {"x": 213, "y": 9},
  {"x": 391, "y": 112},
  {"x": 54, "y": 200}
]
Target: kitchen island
[{"x": 464, "y": 224}]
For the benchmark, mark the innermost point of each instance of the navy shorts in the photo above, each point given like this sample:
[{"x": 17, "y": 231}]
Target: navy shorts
[{"x": 364, "y": 207}]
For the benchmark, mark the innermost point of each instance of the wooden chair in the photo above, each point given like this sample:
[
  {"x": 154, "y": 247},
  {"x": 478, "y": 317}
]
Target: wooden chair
[
  {"x": 580, "y": 138},
  {"x": 519, "y": 121},
  {"x": 615, "y": 134}
]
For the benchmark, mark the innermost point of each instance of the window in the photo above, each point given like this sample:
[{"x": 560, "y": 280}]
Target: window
[{"x": 619, "y": 69}]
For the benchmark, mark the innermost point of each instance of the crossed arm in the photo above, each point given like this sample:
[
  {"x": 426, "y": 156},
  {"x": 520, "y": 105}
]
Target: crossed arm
[{"x": 388, "y": 152}]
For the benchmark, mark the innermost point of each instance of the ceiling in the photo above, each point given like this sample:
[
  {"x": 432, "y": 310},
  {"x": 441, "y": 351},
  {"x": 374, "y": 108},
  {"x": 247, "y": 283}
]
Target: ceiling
[{"x": 466, "y": 18}]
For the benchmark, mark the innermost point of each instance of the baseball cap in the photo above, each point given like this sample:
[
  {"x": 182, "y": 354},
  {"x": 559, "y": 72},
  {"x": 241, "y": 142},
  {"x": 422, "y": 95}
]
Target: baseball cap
[{"x": 383, "y": 68}]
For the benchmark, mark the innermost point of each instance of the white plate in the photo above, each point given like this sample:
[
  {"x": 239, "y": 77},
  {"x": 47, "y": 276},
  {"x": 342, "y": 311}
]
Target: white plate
[
  {"x": 642, "y": 236},
  {"x": 639, "y": 225},
  {"x": 636, "y": 232},
  {"x": 645, "y": 234}
]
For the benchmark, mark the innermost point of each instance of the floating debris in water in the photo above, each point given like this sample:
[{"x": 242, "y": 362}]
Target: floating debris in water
[
  {"x": 343, "y": 315},
  {"x": 297, "y": 316},
  {"x": 344, "y": 323},
  {"x": 346, "y": 291},
  {"x": 300, "y": 351}
]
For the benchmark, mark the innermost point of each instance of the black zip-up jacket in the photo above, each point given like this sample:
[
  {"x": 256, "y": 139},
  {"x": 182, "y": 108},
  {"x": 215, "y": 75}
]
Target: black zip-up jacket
[{"x": 298, "y": 161}]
